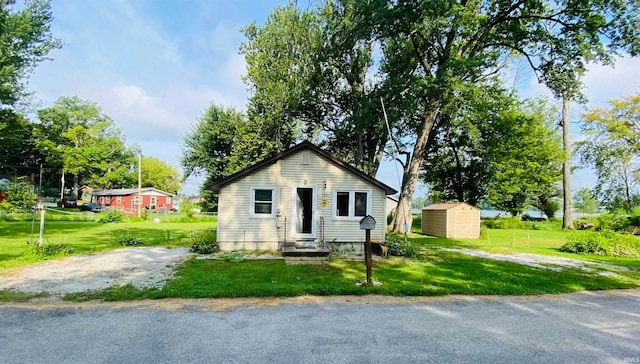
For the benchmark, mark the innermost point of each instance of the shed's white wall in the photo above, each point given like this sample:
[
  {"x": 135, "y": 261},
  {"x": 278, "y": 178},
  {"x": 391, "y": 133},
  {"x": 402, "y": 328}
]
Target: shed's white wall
[{"x": 238, "y": 230}]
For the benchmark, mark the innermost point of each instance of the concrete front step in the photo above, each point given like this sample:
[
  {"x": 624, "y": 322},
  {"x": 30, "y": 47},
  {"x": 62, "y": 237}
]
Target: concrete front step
[{"x": 305, "y": 252}]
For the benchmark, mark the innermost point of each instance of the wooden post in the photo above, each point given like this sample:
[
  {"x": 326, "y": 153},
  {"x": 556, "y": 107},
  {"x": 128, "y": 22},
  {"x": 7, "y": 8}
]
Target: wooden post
[{"x": 367, "y": 255}]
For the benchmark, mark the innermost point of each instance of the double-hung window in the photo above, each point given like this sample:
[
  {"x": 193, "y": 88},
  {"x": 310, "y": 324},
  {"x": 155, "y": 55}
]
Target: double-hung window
[
  {"x": 263, "y": 202},
  {"x": 351, "y": 204}
]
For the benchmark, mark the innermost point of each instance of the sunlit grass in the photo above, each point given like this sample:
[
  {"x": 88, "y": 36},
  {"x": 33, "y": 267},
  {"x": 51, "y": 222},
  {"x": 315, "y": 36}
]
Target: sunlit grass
[
  {"x": 440, "y": 273},
  {"x": 89, "y": 236}
]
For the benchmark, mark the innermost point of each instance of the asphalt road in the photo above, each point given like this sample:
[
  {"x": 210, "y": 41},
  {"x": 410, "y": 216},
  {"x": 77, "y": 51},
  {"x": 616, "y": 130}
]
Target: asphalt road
[{"x": 578, "y": 328}]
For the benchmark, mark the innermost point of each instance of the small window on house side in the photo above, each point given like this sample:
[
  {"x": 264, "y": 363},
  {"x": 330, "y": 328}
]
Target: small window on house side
[
  {"x": 168, "y": 200},
  {"x": 262, "y": 202},
  {"x": 119, "y": 200}
]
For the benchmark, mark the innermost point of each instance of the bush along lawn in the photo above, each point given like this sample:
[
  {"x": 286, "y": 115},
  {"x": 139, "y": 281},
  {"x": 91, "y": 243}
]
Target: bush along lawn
[{"x": 435, "y": 272}]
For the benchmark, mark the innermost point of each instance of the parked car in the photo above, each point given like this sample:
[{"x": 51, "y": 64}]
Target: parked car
[
  {"x": 67, "y": 203},
  {"x": 92, "y": 206}
]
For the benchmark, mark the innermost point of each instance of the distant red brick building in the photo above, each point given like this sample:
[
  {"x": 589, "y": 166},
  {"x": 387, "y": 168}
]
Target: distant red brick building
[{"x": 125, "y": 199}]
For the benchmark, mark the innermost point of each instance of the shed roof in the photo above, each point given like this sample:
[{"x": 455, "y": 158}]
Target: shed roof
[
  {"x": 304, "y": 145},
  {"x": 448, "y": 206},
  {"x": 128, "y": 191}
]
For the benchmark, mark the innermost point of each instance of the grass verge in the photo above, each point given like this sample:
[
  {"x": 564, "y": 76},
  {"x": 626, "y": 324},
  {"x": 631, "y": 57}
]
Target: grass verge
[{"x": 438, "y": 273}]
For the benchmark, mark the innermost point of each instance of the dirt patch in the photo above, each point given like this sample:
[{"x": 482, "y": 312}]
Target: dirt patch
[
  {"x": 542, "y": 261},
  {"x": 142, "y": 267}
]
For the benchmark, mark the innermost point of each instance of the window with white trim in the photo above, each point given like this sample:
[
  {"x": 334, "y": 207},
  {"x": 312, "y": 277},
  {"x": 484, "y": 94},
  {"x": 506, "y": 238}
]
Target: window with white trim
[
  {"x": 119, "y": 200},
  {"x": 351, "y": 204},
  {"x": 263, "y": 201},
  {"x": 168, "y": 201}
]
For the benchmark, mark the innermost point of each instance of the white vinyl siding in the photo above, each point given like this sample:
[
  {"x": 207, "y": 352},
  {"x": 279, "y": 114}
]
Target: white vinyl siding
[
  {"x": 328, "y": 177},
  {"x": 238, "y": 229}
]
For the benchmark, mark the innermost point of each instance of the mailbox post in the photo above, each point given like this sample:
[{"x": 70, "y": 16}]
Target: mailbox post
[{"x": 368, "y": 223}]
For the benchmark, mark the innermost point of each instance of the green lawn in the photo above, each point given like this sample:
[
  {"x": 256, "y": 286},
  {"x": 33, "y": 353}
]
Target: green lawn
[
  {"x": 435, "y": 272},
  {"x": 439, "y": 273},
  {"x": 90, "y": 236},
  {"x": 545, "y": 242}
]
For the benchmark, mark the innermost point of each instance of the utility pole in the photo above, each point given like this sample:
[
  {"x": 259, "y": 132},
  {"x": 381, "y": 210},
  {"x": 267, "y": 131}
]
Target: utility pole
[{"x": 140, "y": 185}]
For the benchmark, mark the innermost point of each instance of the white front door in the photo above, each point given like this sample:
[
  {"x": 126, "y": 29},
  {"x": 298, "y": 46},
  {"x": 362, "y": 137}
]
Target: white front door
[
  {"x": 152, "y": 203},
  {"x": 304, "y": 206}
]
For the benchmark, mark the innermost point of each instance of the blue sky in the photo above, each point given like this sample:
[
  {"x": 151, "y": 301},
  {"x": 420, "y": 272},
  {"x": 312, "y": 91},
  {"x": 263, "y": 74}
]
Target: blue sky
[{"x": 155, "y": 66}]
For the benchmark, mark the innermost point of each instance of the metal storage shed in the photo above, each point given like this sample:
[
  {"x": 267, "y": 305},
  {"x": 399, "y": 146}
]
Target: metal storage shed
[{"x": 451, "y": 220}]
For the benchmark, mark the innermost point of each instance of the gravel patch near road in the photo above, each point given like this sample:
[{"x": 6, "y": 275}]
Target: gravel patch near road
[
  {"x": 142, "y": 267},
  {"x": 541, "y": 261}
]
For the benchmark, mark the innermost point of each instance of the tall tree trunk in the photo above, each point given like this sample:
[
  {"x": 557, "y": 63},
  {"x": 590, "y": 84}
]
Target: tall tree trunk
[
  {"x": 412, "y": 172},
  {"x": 567, "y": 219},
  {"x": 74, "y": 193}
]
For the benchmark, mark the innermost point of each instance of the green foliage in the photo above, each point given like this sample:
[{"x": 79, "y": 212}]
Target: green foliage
[
  {"x": 158, "y": 174},
  {"x": 81, "y": 140},
  {"x": 616, "y": 221},
  {"x": 605, "y": 242},
  {"x": 127, "y": 239},
  {"x": 189, "y": 209},
  {"x": 205, "y": 243},
  {"x": 510, "y": 222},
  {"x": 25, "y": 41},
  {"x": 49, "y": 250},
  {"x": 19, "y": 156},
  {"x": 20, "y": 198},
  {"x": 233, "y": 258},
  {"x": 526, "y": 160},
  {"x": 584, "y": 201},
  {"x": 398, "y": 247},
  {"x": 111, "y": 216},
  {"x": 612, "y": 149}
]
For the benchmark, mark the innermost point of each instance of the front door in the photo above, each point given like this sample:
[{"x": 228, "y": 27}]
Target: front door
[
  {"x": 152, "y": 203},
  {"x": 304, "y": 205}
]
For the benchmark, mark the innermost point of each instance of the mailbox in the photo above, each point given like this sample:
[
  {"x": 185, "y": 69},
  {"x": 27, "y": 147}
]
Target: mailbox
[{"x": 367, "y": 223}]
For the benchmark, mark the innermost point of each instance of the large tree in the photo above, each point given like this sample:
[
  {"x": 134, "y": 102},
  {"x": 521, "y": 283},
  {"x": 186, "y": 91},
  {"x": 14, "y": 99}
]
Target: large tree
[
  {"x": 25, "y": 41},
  {"x": 310, "y": 77},
  {"x": 497, "y": 149},
  {"x": 443, "y": 45},
  {"x": 160, "y": 175},
  {"x": 85, "y": 143},
  {"x": 221, "y": 143},
  {"x": 612, "y": 148}
]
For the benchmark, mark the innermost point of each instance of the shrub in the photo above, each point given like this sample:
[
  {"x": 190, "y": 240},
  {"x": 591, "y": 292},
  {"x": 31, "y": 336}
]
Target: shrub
[
  {"x": 205, "y": 243},
  {"x": 127, "y": 240},
  {"x": 233, "y": 257},
  {"x": 20, "y": 197},
  {"x": 399, "y": 248},
  {"x": 50, "y": 250},
  {"x": 111, "y": 216},
  {"x": 606, "y": 242},
  {"x": 617, "y": 221}
]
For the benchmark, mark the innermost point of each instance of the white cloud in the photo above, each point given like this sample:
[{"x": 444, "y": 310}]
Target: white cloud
[{"x": 603, "y": 83}]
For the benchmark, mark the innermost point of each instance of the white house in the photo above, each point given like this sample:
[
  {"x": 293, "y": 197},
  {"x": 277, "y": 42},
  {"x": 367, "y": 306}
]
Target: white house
[{"x": 300, "y": 199}]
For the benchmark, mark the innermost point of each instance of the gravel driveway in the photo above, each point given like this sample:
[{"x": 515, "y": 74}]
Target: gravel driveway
[{"x": 142, "y": 267}]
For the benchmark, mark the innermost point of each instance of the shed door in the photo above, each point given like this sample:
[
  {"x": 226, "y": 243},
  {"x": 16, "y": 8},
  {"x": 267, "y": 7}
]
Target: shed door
[{"x": 463, "y": 224}]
